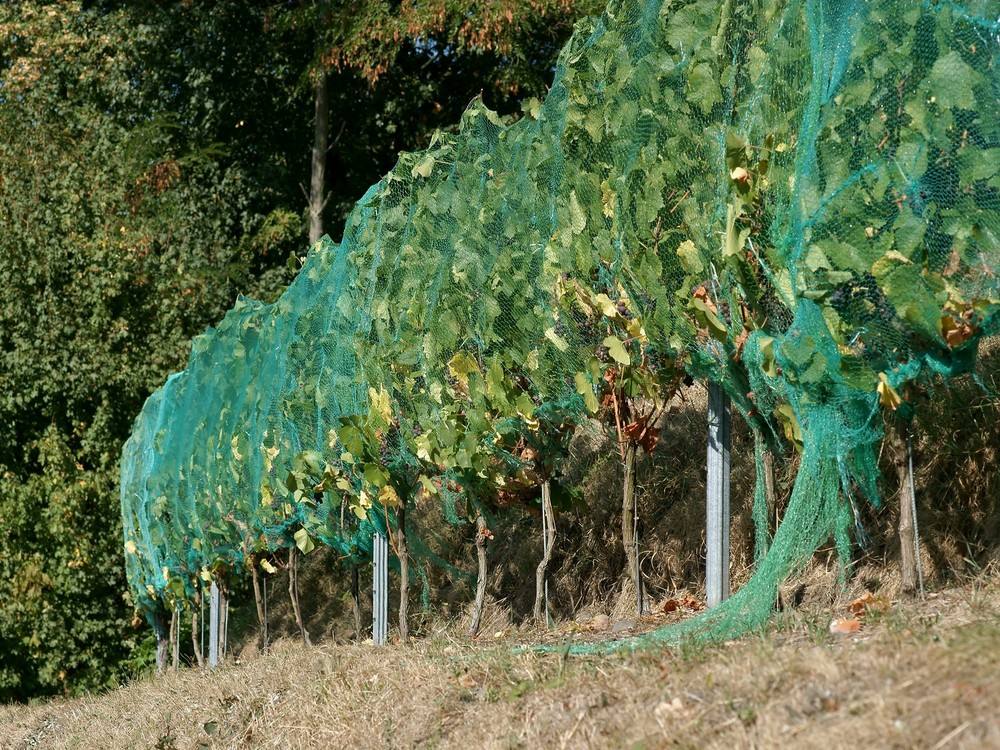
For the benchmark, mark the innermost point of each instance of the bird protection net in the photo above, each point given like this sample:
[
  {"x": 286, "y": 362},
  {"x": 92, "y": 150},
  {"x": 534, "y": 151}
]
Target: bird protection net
[{"x": 797, "y": 200}]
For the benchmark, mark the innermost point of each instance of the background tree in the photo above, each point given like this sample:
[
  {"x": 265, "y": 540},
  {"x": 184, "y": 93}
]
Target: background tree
[{"x": 151, "y": 157}]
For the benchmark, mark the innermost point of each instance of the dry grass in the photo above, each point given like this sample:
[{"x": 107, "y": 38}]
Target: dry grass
[{"x": 920, "y": 674}]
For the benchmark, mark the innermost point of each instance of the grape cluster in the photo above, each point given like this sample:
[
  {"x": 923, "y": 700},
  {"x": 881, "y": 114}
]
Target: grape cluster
[{"x": 384, "y": 452}]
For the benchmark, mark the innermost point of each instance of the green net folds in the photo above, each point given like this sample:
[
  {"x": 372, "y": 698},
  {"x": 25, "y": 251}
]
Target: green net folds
[{"x": 797, "y": 200}]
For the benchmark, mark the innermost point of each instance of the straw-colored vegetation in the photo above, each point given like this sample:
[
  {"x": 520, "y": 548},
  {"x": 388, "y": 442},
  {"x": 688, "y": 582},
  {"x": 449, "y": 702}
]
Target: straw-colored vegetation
[{"x": 918, "y": 674}]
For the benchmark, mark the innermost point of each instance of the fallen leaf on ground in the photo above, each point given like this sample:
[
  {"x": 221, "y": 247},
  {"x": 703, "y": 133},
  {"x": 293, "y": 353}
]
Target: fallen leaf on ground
[
  {"x": 599, "y": 622},
  {"x": 866, "y": 603},
  {"x": 692, "y": 603},
  {"x": 467, "y": 681},
  {"x": 843, "y": 627}
]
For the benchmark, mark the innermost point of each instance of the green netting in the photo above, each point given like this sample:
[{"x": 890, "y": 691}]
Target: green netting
[{"x": 798, "y": 200}]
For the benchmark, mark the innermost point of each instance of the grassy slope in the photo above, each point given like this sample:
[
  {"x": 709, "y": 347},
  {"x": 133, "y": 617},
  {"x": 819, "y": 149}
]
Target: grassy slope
[{"x": 920, "y": 674}]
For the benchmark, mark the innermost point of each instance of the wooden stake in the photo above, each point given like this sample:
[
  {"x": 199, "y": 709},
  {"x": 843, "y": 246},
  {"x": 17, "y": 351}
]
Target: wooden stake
[
  {"x": 913, "y": 512},
  {"x": 223, "y": 622},
  {"x": 162, "y": 630},
  {"x": 293, "y": 593},
  {"x": 195, "y": 640},
  {"x": 907, "y": 546},
  {"x": 481, "y": 538},
  {"x": 548, "y": 542},
  {"x": 404, "y": 572},
  {"x": 259, "y": 595},
  {"x": 356, "y": 600},
  {"x": 630, "y": 524},
  {"x": 175, "y": 633}
]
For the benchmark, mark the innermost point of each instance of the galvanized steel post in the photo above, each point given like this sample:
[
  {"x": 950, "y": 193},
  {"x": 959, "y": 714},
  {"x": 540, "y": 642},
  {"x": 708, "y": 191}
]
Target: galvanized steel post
[
  {"x": 717, "y": 500},
  {"x": 380, "y": 589}
]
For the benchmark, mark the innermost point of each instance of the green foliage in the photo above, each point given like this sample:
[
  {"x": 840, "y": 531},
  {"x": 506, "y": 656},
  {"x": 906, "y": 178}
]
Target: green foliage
[
  {"x": 150, "y": 162},
  {"x": 121, "y": 239},
  {"x": 756, "y": 193},
  {"x": 63, "y": 600}
]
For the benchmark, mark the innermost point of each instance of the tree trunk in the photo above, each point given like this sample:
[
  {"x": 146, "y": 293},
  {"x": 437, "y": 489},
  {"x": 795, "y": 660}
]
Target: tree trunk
[
  {"x": 481, "y": 537},
  {"x": 258, "y": 598},
  {"x": 162, "y": 629},
  {"x": 907, "y": 542},
  {"x": 404, "y": 573},
  {"x": 293, "y": 593},
  {"x": 356, "y": 600},
  {"x": 630, "y": 532},
  {"x": 317, "y": 182},
  {"x": 195, "y": 635},
  {"x": 548, "y": 541}
]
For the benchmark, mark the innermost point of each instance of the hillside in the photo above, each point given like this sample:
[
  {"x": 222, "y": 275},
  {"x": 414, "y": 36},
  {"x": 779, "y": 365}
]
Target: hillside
[{"x": 918, "y": 674}]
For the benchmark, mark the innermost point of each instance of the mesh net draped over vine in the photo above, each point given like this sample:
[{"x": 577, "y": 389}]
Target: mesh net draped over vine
[{"x": 797, "y": 200}]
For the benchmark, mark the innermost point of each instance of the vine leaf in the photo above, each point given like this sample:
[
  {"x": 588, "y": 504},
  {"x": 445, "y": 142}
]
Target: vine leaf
[
  {"x": 304, "y": 542},
  {"x": 617, "y": 350}
]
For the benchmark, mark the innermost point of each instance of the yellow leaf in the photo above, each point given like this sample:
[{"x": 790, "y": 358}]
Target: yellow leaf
[
  {"x": 578, "y": 219},
  {"x": 532, "y": 361},
  {"x": 790, "y": 425},
  {"x": 617, "y": 350},
  {"x": 607, "y": 200},
  {"x": 266, "y": 565},
  {"x": 635, "y": 329},
  {"x": 690, "y": 258},
  {"x": 607, "y": 306},
  {"x": 206, "y": 576},
  {"x": 555, "y": 338},
  {"x": 388, "y": 497},
  {"x": 955, "y": 331},
  {"x": 423, "y": 167},
  {"x": 532, "y": 107},
  {"x": 887, "y": 395},
  {"x": 462, "y": 365},
  {"x": 381, "y": 403}
]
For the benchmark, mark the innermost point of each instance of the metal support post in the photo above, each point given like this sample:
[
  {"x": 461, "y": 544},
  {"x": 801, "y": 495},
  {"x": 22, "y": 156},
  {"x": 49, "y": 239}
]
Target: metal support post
[
  {"x": 717, "y": 500},
  {"x": 213, "y": 625},
  {"x": 380, "y": 589}
]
